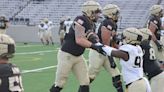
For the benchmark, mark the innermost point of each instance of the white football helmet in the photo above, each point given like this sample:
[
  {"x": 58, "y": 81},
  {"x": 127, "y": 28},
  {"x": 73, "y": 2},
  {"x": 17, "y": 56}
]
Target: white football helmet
[
  {"x": 90, "y": 7},
  {"x": 111, "y": 11},
  {"x": 146, "y": 33},
  {"x": 132, "y": 36},
  {"x": 156, "y": 10},
  {"x": 7, "y": 46}
]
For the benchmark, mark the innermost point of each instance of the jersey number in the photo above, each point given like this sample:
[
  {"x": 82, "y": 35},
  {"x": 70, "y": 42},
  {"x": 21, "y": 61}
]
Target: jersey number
[
  {"x": 137, "y": 62},
  {"x": 152, "y": 54}
]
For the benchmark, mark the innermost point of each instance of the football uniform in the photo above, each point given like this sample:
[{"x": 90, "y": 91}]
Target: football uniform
[
  {"x": 152, "y": 68},
  {"x": 42, "y": 30},
  {"x": 132, "y": 69},
  {"x": 68, "y": 25},
  {"x": 155, "y": 20},
  {"x": 97, "y": 60},
  {"x": 49, "y": 29},
  {"x": 70, "y": 56},
  {"x": 10, "y": 78}
]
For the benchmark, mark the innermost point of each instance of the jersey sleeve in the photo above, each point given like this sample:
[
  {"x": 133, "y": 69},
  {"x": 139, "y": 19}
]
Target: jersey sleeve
[
  {"x": 108, "y": 24},
  {"x": 124, "y": 48},
  {"x": 83, "y": 21}
]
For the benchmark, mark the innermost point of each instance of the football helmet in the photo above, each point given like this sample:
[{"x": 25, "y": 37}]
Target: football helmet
[
  {"x": 91, "y": 7},
  {"x": 132, "y": 36},
  {"x": 45, "y": 20},
  {"x": 3, "y": 22},
  {"x": 7, "y": 46},
  {"x": 112, "y": 11},
  {"x": 156, "y": 10},
  {"x": 146, "y": 33}
]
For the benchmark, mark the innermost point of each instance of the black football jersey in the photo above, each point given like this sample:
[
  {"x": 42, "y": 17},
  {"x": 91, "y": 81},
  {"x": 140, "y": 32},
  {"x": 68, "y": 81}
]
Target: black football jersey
[
  {"x": 10, "y": 78},
  {"x": 109, "y": 24},
  {"x": 150, "y": 64},
  {"x": 157, "y": 22},
  {"x": 69, "y": 44}
]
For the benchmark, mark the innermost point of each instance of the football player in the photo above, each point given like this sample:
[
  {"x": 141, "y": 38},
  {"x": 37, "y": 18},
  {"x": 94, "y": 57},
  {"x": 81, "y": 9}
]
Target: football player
[
  {"x": 62, "y": 31},
  {"x": 150, "y": 65},
  {"x": 4, "y": 23},
  {"x": 48, "y": 32},
  {"x": 154, "y": 24},
  {"x": 70, "y": 56},
  {"x": 131, "y": 60},
  {"x": 41, "y": 33},
  {"x": 105, "y": 32},
  {"x": 68, "y": 24},
  {"x": 10, "y": 76}
]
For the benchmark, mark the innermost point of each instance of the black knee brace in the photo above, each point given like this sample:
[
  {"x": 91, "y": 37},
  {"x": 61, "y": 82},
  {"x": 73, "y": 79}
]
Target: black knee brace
[
  {"x": 84, "y": 88},
  {"x": 117, "y": 83},
  {"x": 55, "y": 89}
]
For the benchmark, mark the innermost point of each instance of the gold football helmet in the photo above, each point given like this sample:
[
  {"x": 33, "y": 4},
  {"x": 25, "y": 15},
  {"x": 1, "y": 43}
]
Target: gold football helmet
[
  {"x": 132, "y": 36},
  {"x": 146, "y": 33},
  {"x": 90, "y": 7},
  {"x": 7, "y": 46},
  {"x": 111, "y": 11},
  {"x": 157, "y": 10}
]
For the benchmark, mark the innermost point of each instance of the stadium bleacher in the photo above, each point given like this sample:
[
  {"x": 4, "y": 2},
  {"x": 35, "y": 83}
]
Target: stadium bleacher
[{"x": 134, "y": 12}]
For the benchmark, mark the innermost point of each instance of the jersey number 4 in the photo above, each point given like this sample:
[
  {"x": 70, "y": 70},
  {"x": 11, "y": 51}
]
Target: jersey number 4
[{"x": 137, "y": 62}]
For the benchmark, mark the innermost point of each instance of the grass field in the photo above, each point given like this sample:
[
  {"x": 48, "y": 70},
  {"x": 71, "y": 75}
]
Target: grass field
[{"x": 38, "y": 66}]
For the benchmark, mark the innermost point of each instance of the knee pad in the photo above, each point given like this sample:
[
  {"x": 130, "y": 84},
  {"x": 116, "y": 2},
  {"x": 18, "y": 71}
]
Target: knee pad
[
  {"x": 117, "y": 83},
  {"x": 55, "y": 89}
]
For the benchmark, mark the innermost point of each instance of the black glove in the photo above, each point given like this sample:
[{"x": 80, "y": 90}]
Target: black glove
[
  {"x": 159, "y": 45},
  {"x": 111, "y": 61},
  {"x": 98, "y": 48}
]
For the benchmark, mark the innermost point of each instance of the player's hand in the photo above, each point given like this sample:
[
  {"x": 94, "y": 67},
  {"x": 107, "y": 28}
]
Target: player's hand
[
  {"x": 98, "y": 48},
  {"x": 159, "y": 45}
]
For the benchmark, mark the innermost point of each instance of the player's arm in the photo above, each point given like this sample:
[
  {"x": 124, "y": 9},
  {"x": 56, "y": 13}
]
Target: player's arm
[
  {"x": 152, "y": 26},
  {"x": 106, "y": 35},
  {"x": 116, "y": 53},
  {"x": 80, "y": 37}
]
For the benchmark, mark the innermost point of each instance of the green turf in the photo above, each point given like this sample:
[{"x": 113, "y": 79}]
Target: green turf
[{"x": 42, "y": 80}]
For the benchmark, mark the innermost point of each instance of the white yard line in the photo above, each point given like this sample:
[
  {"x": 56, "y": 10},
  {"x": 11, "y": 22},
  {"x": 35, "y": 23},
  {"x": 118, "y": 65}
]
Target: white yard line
[
  {"x": 38, "y": 69},
  {"x": 29, "y": 45},
  {"x": 36, "y": 52}
]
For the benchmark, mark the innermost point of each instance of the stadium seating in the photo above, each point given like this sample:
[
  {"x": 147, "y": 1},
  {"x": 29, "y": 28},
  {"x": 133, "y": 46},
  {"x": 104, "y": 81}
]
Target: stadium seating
[{"x": 134, "y": 12}]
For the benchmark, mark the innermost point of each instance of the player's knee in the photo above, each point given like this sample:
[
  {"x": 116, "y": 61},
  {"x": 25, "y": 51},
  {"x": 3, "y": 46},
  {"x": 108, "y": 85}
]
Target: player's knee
[{"x": 55, "y": 88}]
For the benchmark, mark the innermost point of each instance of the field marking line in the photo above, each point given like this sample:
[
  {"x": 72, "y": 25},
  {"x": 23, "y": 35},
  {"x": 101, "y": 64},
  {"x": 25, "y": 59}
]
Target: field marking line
[
  {"x": 36, "y": 52},
  {"x": 29, "y": 45},
  {"x": 38, "y": 69}
]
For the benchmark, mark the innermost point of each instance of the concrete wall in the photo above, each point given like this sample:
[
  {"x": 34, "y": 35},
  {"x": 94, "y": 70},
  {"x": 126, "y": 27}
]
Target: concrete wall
[{"x": 22, "y": 33}]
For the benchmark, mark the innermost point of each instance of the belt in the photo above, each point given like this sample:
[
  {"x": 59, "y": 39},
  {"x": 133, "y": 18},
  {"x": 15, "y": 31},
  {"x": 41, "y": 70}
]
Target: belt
[{"x": 127, "y": 85}]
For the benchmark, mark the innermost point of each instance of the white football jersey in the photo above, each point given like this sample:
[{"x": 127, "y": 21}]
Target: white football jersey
[
  {"x": 43, "y": 28},
  {"x": 68, "y": 25},
  {"x": 132, "y": 69}
]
